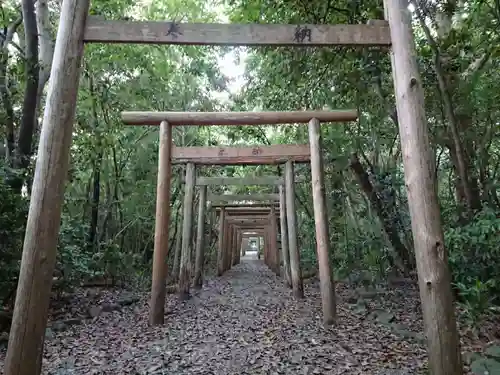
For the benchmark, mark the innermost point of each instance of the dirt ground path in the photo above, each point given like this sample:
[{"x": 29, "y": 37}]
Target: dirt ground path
[{"x": 245, "y": 322}]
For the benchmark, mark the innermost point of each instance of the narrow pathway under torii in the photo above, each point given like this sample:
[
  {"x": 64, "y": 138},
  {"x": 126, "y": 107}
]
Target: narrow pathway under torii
[{"x": 245, "y": 322}]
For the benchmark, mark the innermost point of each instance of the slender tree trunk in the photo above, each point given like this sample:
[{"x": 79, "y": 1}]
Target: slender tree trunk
[
  {"x": 24, "y": 147},
  {"x": 4, "y": 91},
  {"x": 464, "y": 169},
  {"x": 96, "y": 197},
  {"x": 388, "y": 224}
]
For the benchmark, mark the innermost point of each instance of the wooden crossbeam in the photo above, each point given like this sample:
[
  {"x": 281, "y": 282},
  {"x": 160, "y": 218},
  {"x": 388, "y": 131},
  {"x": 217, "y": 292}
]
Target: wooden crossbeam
[
  {"x": 253, "y": 213},
  {"x": 232, "y": 155},
  {"x": 239, "y": 181},
  {"x": 98, "y": 30},
  {"x": 218, "y": 206},
  {"x": 245, "y": 216},
  {"x": 236, "y": 118},
  {"x": 247, "y": 222},
  {"x": 244, "y": 181},
  {"x": 243, "y": 197}
]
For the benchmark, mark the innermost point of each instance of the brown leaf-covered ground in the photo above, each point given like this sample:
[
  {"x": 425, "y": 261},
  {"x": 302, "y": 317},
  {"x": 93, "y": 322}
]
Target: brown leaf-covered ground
[{"x": 245, "y": 322}]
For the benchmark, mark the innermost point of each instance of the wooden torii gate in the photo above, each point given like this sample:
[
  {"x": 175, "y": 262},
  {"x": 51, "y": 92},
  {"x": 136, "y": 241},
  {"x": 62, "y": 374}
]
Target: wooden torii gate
[
  {"x": 228, "y": 155},
  {"x": 242, "y": 219},
  {"x": 24, "y": 354}
]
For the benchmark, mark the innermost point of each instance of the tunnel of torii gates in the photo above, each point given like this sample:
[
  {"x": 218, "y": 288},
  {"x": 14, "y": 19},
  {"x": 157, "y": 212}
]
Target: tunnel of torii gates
[{"x": 395, "y": 34}]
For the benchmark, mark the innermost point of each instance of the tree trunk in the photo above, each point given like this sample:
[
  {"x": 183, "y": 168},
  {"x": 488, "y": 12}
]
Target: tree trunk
[
  {"x": 431, "y": 255},
  {"x": 388, "y": 224},
  {"x": 4, "y": 90},
  {"x": 96, "y": 195},
  {"x": 463, "y": 162},
  {"x": 46, "y": 48},
  {"x": 24, "y": 148}
]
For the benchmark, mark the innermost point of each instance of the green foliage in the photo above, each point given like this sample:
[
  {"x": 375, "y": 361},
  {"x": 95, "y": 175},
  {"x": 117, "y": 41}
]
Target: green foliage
[
  {"x": 73, "y": 263},
  {"x": 476, "y": 281},
  {"x": 13, "y": 213}
]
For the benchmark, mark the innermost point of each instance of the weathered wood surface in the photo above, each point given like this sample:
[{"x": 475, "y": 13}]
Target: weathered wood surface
[
  {"x": 275, "y": 256},
  {"x": 284, "y": 237},
  {"x": 25, "y": 348},
  {"x": 248, "y": 211},
  {"x": 227, "y": 246},
  {"x": 321, "y": 224},
  {"x": 236, "y": 118},
  {"x": 229, "y": 206},
  {"x": 242, "y": 197},
  {"x": 162, "y": 222},
  {"x": 187, "y": 230},
  {"x": 249, "y": 214},
  {"x": 245, "y": 181},
  {"x": 251, "y": 232},
  {"x": 247, "y": 221},
  {"x": 418, "y": 161},
  {"x": 234, "y": 248},
  {"x": 200, "y": 239},
  {"x": 239, "y": 181},
  {"x": 220, "y": 253},
  {"x": 99, "y": 30},
  {"x": 293, "y": 247},
  {"x": 241, "y": 155}
]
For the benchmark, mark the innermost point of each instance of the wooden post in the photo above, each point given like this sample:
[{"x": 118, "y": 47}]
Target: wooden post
[
  {"x": 418, "y": 161},
  {"x": 258, "y": 247},
  {"x": 234, "y": 248},
  {"x": 239, "y": 247},
  {"x": 210, "y": 229},
  {"x": 295, "y": 270},
  {"x": 243, "y": 245},
  {"x": 274, "y": 242},
  {"x": 187, "y": 229},
  {"x": 177, "y": 251},
  {"x": 266, "y": 247},
  {"x": 24, "y": 354},
  {"x": 327, "y": 287},
  {"x": 227, "y": 247},
  {"x": 237, "y": 250},
  {"x": 200, "y": 239},
  {"x": 158, "y": 292},
  {"x": 284, "y": 237},
  {"x": 220, "y": 254},
  {"x": 231, "y": 247}
]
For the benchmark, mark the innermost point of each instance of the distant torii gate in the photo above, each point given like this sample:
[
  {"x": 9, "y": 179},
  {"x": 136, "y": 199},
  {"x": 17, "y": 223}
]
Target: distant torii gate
[
  {"x": 24, "y": 354},
  {"x": 233, "y": 155}
]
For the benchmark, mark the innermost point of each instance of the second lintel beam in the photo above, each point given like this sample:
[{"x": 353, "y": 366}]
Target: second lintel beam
[
  {"x": 241, "y": 155},
  {"x": 236, "y": 118},
  {"x": 243, "y": 197}
]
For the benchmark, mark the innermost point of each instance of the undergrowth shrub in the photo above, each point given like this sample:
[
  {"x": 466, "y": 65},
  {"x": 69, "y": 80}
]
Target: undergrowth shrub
[
  {"x": 13, "y": 213},
  {"x": 474, "y": 258}
]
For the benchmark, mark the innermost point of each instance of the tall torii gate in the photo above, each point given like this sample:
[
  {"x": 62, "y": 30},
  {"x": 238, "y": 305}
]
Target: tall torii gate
[{"x": 24, "y": 354}]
